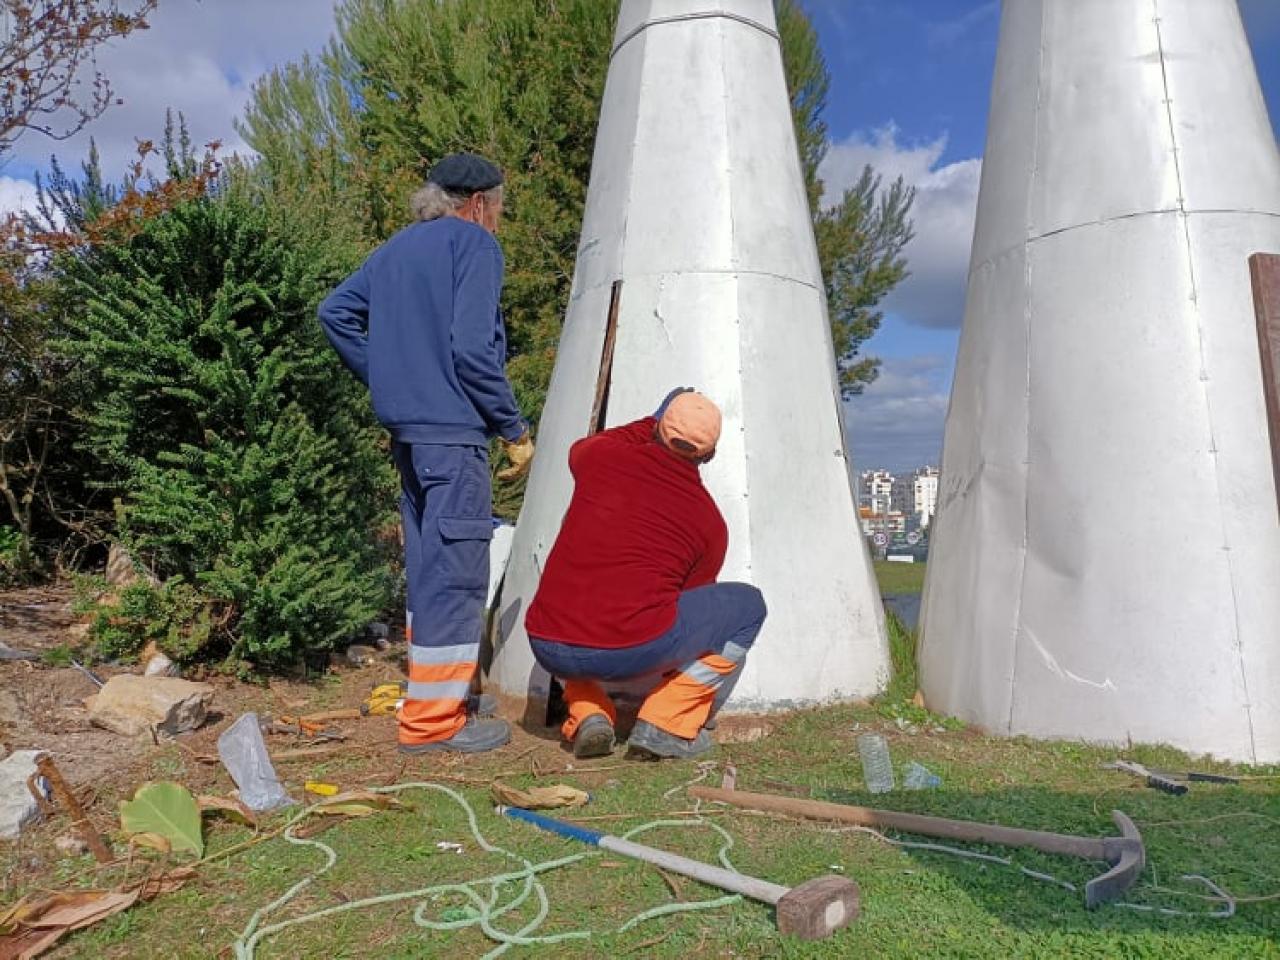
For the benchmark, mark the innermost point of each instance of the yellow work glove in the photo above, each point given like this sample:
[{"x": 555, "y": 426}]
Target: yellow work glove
[{"x": 519, "y": 455}]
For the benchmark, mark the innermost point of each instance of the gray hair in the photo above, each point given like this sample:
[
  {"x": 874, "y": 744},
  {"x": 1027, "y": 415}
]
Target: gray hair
[{"x": 433, "y": 201}]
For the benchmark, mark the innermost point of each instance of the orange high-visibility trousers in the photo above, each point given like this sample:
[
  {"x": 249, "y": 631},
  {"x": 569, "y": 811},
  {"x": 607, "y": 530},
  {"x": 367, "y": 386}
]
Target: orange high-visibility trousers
[
  {"x": 585, "y": 698},
  {"x": 684, "y": 700}
]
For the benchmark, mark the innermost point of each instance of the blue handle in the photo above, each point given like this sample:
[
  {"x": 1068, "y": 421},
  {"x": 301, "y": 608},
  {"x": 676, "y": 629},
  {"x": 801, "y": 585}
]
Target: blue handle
[{"x": 551, "y": 825}]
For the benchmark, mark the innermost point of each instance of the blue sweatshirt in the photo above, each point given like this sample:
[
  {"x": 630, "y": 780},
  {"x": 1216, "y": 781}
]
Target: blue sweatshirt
[{"x": 419, "y": 324}]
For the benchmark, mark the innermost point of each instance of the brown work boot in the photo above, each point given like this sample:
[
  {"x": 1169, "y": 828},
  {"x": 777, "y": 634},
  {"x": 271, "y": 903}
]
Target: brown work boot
[
  {"x": 594, "y": 737},
  {"x": 650, "y": 743}
]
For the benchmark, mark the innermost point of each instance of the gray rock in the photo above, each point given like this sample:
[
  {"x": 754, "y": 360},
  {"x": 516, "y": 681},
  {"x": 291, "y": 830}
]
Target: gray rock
[
  {"x": 359, "y": 655},
  {"x": 131, "y": 706},
  {"x": 11, "y": 653},
  {"x": 124, "y": 571},
  {"x": 18, "y": 807}
]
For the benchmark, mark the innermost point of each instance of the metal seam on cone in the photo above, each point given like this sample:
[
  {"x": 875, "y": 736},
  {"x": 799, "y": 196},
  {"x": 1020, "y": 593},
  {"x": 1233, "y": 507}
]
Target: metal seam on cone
[
  {"x": 734, "y": 272},
  {"x": 705, "y": 15},
  {"x": 1105, "y": 221},
  {"x": 1204, "y": 375},
  {"x": 1024, "y": 547}
]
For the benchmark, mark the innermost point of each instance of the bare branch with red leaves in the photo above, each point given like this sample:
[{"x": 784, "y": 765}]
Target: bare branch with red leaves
[{"x": 25, "y": 247}]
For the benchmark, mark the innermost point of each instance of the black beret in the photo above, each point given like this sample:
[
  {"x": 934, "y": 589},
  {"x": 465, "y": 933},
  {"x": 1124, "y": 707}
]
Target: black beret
[{"x": 465, "y": 173}]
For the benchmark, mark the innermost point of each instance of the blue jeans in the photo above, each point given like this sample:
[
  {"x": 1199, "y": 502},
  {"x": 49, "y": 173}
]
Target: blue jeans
[{"x": 721, "y": 618}]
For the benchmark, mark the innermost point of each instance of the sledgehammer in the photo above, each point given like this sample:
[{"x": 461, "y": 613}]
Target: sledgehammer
[{"x": 812, "y": 911}]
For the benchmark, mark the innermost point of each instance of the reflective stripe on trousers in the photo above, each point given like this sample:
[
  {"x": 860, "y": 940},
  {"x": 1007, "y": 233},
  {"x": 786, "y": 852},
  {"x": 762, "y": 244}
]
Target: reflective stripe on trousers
[
  {"x": 695, "y": 664},
  {"x": 445, "y": 507}
]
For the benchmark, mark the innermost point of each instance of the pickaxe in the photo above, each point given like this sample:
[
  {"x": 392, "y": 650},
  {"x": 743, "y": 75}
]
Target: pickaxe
[{"x": 1125, "y": 853}]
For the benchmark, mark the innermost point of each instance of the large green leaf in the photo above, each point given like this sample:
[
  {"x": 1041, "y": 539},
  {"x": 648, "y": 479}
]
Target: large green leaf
[{"x": 167, "y": 810}]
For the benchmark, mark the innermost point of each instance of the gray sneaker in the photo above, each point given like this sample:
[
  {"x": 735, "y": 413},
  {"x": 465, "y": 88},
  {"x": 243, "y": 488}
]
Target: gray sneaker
[
  {"x": 649, "y": 743},
  {"x": 482, "y": 704},
  {"x": 479, "y": 735},
  {"x": 594, "y": 737}
]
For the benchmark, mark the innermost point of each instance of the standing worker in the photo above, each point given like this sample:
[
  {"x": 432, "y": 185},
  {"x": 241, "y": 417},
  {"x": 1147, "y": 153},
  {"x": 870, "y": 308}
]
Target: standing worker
[
  {"x": 419, "y": 324},
  {"x": 629, "y": 589}
]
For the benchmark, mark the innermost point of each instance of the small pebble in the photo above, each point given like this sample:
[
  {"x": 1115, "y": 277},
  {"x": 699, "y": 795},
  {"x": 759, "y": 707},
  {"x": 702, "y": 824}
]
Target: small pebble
[{"x": 72, "y": 846}]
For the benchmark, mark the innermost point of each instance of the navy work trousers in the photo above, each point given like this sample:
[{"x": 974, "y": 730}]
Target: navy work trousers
[{"x": 446, "y": 507}]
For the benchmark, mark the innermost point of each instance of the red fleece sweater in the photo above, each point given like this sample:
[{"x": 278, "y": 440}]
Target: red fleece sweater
[{"x": 640, "y": 529}]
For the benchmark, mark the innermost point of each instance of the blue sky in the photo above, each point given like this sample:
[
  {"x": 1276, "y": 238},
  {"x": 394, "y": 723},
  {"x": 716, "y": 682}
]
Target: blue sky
[
  {"x": 909, "y": 93},
  {"x": 910, "y": 81}
]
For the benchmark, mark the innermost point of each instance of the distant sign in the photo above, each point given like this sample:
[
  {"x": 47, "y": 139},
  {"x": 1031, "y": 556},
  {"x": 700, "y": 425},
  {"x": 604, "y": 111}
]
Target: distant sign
[
  {"x": 913, "y": 538},
  {"x": 880, "y": 539}
]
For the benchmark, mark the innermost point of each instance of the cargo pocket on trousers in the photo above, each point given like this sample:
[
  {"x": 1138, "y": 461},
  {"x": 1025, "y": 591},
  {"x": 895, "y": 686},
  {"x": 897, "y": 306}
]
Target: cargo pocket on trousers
[{"x": 465, "y": 558}]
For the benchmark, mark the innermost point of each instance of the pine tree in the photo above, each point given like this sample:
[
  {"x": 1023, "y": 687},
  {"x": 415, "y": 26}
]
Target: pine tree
[
  {"x": 249, "y": 476},
  {"x": 349, "y": 135}
]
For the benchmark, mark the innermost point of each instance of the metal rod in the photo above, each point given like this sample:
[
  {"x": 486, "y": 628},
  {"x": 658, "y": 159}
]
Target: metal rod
[{"x": 49, "y": 770}]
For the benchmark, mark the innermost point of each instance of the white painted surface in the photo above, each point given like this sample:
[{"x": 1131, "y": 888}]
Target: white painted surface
[
  {"x": 18, "y": 808},
  {"x": 1105, "y": 557},
  {"x": 697, "y": 204},
  {"x": 499, "y": 555}
]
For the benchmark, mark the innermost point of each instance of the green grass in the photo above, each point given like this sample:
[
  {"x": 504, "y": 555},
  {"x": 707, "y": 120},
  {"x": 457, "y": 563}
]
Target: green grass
[
  {"x": 914, "y": 903},
  {"x": 899, "y": 577}
]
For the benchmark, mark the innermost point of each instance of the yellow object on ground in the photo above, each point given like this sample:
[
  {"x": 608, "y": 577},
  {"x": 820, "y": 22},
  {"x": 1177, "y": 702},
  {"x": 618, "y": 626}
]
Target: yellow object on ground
[
  {"x": 384, "y": 701},
  {"x": 320, "y": 789}
]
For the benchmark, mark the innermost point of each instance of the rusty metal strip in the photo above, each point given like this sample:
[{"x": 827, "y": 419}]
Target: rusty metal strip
[
  {"x": 600, "y": 406},
  {"x": 1264, "y": 268}
]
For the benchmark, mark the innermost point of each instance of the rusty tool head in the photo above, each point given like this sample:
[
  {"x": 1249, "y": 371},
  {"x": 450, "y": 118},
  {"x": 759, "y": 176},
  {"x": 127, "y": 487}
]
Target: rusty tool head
[
  {"x": 818, "y": 908},
  {"x": 1127, "y": 857}
]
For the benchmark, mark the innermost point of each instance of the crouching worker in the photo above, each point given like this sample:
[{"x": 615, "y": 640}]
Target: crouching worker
[{"x": 629, "y": 589}]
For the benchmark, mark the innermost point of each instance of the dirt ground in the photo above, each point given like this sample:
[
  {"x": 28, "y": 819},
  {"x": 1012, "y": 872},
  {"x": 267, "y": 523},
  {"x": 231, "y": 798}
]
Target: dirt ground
[{"x": 43, "y": 707}]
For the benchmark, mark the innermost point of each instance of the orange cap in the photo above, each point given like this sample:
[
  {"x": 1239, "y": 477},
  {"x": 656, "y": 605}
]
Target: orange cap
[{"x": 690, "y": 426}]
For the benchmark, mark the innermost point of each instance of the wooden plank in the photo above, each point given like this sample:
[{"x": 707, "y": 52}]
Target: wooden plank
[{"x": 1264, "y": 268}]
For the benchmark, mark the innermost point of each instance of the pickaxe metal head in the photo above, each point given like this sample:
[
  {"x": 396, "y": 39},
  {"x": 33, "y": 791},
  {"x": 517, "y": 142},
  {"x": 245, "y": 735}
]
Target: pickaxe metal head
[{"x": 1127, "y": 857}]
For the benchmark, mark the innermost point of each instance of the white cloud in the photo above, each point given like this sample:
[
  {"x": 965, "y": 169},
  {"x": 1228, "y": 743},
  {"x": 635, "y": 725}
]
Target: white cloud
[
  {"x": 200, "y": 57},
  {"x": 16, "y": 195},
  {"x": 948, "y": 33},
  {"x": 897, "y": 422},
  {"x": 945, "y": 205}
]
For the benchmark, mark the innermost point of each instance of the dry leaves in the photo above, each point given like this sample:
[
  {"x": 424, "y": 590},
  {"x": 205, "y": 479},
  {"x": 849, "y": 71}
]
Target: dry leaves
[
  {"x": 357, "y": 803},
  {"x": 38, "y": 921},
  {"x": 540, "y": 798},
  {"x": 228, "y": 807}
]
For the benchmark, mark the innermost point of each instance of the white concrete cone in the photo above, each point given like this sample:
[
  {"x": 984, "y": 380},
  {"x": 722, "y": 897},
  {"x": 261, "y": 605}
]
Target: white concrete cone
[
  {"x": 1106, "y": 554},
  {"x": 697, "y": 204}
]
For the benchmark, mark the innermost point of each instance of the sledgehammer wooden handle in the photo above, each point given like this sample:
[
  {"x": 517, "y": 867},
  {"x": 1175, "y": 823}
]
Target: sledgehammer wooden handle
[{"x": 1090, "y": 848}]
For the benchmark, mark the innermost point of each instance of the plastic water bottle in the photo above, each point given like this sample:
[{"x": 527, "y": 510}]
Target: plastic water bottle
[
  {"x": 877, "y": 768},
  {"x": 919, "y": 777}
]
